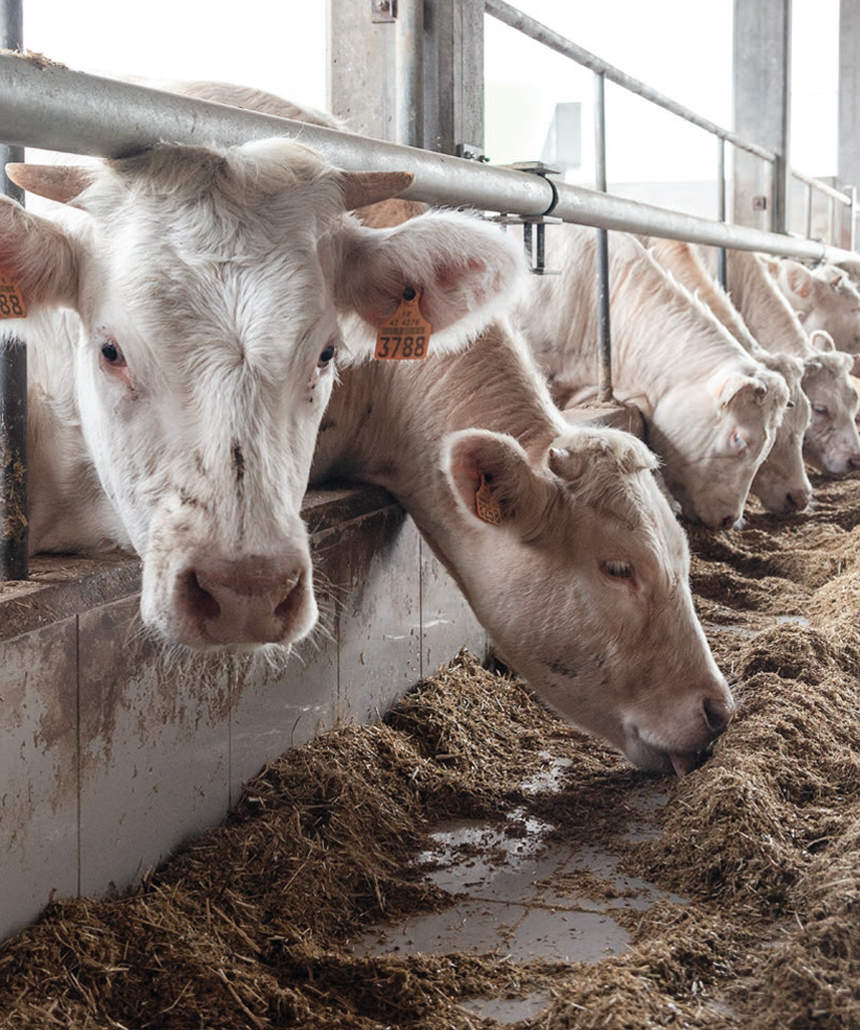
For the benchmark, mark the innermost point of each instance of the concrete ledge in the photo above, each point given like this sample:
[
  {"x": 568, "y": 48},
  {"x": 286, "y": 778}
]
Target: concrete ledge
[{"x": 114, "y": 750}]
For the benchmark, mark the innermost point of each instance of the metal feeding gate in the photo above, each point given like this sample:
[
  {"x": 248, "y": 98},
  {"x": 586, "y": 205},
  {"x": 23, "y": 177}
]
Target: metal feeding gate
[{"x": 108, "y": 756}]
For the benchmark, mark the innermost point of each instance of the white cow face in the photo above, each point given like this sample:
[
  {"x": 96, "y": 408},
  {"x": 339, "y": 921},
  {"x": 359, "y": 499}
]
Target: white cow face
[
  {"x": 583, "y": 587},
  {"x": 713, "y": 436},
  {"x": 781, "y": 483},
  {"x": 831, "y": 443},
  {"x": 823, "y": 299},
  {"x": 209, "y": 288}
]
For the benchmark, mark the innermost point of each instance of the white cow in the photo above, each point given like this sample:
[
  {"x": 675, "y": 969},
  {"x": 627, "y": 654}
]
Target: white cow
[
  {"x": 176, "y": 400},
  {"x": 711, "y": 409},
  {"x": 781, "y": 483},
  {"x": 824, "y": 298},
  {"x": 583, "y": 584},
  {"x": 831, "y": 443}
]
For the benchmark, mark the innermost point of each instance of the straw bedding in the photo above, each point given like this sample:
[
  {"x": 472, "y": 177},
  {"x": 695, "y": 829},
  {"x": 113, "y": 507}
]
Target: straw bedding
[{"x": 250, "y": 926}]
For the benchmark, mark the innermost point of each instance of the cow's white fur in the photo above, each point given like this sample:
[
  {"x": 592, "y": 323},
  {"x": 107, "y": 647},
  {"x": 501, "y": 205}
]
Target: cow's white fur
[
  {"x": 781, "y": 483},
  {"x": 222, "y": 275},
  {"x": 712, "y": 410},
  {"x": 625, "y": 659},
  {"x": 831, "y": 442}
]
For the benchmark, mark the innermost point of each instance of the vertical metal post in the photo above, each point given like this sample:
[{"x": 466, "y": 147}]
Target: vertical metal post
[
  {"x": 13, "y": 378},
  {"x": 454, "y": 76},
  {"x": 722, "y": 269},
  {"x": 848, "y": 169},
  {"x": 831, "y": 221},
  {"x": 852, "y": 225},
  {"x": 604, "y": 336},
  {"x": 761, "y": 63},
  {"x": 808, "y": 212},
  {"x": 409, "y": 68}
]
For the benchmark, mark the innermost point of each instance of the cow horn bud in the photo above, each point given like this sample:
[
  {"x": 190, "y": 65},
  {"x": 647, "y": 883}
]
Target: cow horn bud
[{"x": 363, "y": 188}]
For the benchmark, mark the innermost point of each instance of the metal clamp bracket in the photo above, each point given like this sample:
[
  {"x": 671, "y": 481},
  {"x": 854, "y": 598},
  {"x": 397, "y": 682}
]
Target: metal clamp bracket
[{"x": 534, "y": 242}]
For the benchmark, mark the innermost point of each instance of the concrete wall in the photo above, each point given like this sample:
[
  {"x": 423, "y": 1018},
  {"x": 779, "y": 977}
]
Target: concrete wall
[{"x": 112, "y": 752}]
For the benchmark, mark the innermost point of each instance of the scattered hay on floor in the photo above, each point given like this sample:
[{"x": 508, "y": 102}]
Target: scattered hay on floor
[{"x": 250, "y": 926}]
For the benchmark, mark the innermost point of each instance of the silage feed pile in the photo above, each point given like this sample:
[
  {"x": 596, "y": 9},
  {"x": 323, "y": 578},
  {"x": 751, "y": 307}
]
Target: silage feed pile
[{"x": 250, "y": 926}]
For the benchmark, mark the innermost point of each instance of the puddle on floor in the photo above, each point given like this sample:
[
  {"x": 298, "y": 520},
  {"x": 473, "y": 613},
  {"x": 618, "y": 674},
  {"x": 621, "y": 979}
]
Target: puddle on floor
[{"x": 522, "y": 896}]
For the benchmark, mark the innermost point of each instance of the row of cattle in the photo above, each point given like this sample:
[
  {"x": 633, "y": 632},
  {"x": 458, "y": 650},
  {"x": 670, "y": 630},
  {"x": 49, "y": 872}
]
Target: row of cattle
[{"x": 187, "y": 309}]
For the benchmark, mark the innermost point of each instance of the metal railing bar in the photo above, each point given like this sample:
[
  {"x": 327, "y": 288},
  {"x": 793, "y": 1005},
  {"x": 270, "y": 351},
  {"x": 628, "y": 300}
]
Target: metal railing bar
[
  {"x": 541, "y": 33},
  {"x": 14, "y": 523},
  {"x": 604, "y": 335},
  {"x": 822, "y": 187},
  {"x": 722, "y": 263},
  {"x": 57, "y": 109},
  {"x": 516, "y": 19}
]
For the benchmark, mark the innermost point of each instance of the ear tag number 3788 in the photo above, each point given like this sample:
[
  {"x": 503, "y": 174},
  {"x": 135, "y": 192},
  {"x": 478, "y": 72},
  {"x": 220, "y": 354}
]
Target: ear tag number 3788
[
  {"x": 406, "y": 335},
  {"x": 11, "y": 301}
]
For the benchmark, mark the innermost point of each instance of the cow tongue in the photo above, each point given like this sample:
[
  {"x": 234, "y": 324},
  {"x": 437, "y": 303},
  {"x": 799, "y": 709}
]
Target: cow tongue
[{"x": 683, "y": 762}]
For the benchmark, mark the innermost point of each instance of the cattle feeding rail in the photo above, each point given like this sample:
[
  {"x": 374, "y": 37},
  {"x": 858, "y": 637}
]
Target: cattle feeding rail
[{"x": 49, "y": 106}]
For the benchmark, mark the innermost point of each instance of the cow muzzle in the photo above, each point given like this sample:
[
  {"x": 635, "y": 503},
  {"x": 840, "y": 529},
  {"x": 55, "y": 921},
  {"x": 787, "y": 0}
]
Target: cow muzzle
[{"x": 251, "y": 600}]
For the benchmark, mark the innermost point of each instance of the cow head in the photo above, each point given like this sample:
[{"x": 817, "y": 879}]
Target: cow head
[
  {"x": 210, "y": 288},
  {"x": 823, "y": 299},
  {"x": 781, "y": 483},
  {"x": 831, "y": 443},
  {"x": 583, "y": 587},
  {"x": 714, "y": 435}
]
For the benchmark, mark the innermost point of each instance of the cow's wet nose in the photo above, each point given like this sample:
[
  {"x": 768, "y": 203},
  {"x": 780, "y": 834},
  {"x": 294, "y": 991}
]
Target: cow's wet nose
[
  {"x": 717, "y": 712},
  {"x": 254, "y": 600},
  {"x": 854, "y": 461},
  {"x": 727, "y": 522},
  {"x": 797, "y": 500}
]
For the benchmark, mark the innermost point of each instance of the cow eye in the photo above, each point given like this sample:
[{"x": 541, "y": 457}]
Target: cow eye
[
  {"x": 112, "y": 354},
  {"x": 819, "y": 409},
  {"x": 738, "y": 442},
  {"x": 618, "y": 569},
  {"x": 326, "y": 354}
]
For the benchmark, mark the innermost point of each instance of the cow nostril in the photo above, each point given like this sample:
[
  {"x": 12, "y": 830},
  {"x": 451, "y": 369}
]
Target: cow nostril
[
  {"x": 727, "y": 522},
  {"x": 200, "y": 601},
  {"x": 292, "y": 599},
  {"x": 717, "y": 713},
  {"x": 854, "y": 461}
]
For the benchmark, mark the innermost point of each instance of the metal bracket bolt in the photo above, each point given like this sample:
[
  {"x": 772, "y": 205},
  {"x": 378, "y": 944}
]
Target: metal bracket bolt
[{"x": 383, "y": 10}]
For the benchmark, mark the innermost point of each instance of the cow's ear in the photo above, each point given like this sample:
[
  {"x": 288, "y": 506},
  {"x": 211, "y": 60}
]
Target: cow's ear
[
  {"x": 731, "y": 386},
  {"x": 38, "y": 256},
  {"x": 822, "y": 341},
  {"x": 796, "y": 280},
  {"x": 491, "y": 479},
  {"x": 465, "y": 270}
]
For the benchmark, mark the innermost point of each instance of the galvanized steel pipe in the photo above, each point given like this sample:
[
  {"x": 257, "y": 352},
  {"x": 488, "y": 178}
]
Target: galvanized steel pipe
[{"x": 43, "y": 105}]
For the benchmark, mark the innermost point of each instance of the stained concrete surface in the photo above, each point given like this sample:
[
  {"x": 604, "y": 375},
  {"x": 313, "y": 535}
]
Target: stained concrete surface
[{"x": 516, "y": 894}]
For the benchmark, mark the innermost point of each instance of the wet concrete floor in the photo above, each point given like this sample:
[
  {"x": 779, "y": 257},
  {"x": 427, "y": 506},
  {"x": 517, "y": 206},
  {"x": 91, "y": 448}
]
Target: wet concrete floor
[{"x": 522, "y": 896}]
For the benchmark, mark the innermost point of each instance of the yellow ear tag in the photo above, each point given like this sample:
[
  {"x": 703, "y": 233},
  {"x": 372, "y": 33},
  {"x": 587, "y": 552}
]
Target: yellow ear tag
[
  {"x": 406, "y": 335},
  {"x": 485, "y": 504},
  {"x": 11, "y": 301}
]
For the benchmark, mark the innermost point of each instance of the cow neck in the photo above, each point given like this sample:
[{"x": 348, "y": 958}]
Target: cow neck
[
  {"x": 763, "y": 307},
  {"x": 663, "y": 335},
  {"x": 386, "y": 422}
]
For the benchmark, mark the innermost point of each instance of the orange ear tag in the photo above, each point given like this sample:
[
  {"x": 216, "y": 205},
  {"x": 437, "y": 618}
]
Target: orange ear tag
[
  {"x": 406, "y": 335},
  {"x": 485, "y": 504},
  {"x": 11, "y": 301}
]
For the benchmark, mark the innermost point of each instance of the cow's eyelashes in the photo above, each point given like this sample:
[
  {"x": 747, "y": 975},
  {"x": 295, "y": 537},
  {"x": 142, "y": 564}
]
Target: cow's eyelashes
[
  {"x": 618, "y": 569},
  {"x": 326, "y": 355},
  {"x": 112, "y": 355}
]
